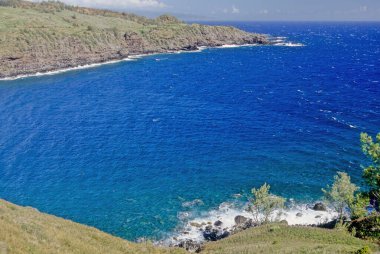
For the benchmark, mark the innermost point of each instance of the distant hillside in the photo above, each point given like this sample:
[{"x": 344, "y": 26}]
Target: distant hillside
[{"x": 40, "y": 37}]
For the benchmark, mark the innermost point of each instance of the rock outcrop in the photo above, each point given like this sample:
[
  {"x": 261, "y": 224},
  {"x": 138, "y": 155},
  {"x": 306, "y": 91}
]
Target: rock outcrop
[{"x": 320, "y": 207}]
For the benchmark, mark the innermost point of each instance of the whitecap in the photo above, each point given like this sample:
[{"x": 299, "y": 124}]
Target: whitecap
[{"x": 289, "y": 44}]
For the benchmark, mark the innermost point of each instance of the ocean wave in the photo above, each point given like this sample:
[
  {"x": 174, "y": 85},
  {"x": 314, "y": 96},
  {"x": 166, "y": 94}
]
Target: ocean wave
[
  {"x": 289, "y": 44},
  {"x": 294, "y": 214},
  {"x": 344, "y": 123},
  {"x": 80, "y": 67},
  {"x": 237, "y": 45}
]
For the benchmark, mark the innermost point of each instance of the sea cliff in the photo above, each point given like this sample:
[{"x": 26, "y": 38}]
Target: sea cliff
[{"x": 43, "y": 37}]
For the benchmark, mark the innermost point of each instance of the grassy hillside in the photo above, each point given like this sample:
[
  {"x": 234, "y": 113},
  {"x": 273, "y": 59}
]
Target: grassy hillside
[
  {"x": 284, "y": 239},
  {"x": 25, "y": 230},
  {"x": 39, "y": 37}
]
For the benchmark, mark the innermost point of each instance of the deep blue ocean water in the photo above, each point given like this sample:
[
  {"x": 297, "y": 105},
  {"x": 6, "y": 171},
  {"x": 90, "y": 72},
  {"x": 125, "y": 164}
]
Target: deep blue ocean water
[{"x": 121, "y": 147}]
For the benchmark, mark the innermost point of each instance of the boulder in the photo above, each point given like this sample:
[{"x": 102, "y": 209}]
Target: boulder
[
  {"x": 195, "y": 224},
  {"x": 242, "y": 223},
  {"x": 319, "y": 207},
  {"x": 190, "y": 48},
  {"x": 218, "y": 223},
  {"x": 190, "y": 246},
  {"x": 239, "y": 220},
  {"x": 215, "y": 234},
  {"x": 299, "y": 214}
]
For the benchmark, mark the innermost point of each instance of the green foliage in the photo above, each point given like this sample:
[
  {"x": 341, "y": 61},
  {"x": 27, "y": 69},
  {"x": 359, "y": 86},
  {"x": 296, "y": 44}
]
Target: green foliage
[
  {"x": 367, "y": 228},
  {"x": 371, "y": 174},
  {"x": 265, "y": 204},
  {"x": 364, "y": 250},
  {"x": 358, "y": 207},
  {"x": 341, "y": 194}
]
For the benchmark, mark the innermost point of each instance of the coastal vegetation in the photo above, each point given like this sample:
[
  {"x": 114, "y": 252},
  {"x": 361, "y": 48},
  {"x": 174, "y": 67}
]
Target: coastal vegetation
[
  {"x": 265, "y": 204},
  {"x": 372, "y": 173},
  {"x": 341, "y": 194}
]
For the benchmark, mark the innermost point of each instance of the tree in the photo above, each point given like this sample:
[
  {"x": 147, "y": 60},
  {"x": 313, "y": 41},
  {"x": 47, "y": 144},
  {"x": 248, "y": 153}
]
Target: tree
[
  {"x": 358, "y": 208},
  {"x": 265, "y": 204},
  {"x": 341, "y": 194},
  {"x": 372, "y": 173}
]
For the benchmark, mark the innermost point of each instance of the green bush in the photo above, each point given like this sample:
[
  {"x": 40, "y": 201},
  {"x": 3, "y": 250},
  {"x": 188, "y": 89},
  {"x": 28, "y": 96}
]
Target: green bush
[
  {"x": 264, "y": 204},
  {"x": 358, "y": 207},
  {"x": 341, "y": 194},
  {"x": 367, "y": 228}
]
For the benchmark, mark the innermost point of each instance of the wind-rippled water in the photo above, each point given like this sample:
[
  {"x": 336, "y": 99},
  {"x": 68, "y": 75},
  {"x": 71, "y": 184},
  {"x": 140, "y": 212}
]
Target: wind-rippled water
[{"x": 125, "y": 147}]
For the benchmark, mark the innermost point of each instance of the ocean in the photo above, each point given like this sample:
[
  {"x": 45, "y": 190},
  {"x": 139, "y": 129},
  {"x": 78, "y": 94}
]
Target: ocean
[{"x": 137, "y": 148}]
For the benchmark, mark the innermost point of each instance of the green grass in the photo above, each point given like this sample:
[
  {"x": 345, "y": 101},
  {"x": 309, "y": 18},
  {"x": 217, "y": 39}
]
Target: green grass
[
  {"x": 40, "y": 37},
  {"x": 21, "y": 28},
  {"x": 25, "y": 230},
  {"x": 284, "y": 239}
]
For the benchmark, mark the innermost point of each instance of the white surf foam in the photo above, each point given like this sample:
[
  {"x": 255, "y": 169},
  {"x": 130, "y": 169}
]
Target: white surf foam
[
  {"x": 301, "y": 214},
  {"x": 237, "y": 46},
  {"x": 289, "y": 44},
  {"x": 80, "y": 67}
]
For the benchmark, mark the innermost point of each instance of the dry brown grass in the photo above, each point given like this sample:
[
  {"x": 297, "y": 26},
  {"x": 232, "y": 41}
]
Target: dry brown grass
[{"x": 25, "y": 230}]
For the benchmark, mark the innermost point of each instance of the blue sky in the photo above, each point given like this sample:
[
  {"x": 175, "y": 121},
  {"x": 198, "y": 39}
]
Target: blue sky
[{"x": 248, "y": 9}]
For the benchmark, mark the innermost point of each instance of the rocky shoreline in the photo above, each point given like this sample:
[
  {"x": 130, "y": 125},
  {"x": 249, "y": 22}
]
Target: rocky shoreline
[
  {"x": 86, "y": 65},
  {"x": 65, "y": 37},
  {"x": 219, "y": 226}
]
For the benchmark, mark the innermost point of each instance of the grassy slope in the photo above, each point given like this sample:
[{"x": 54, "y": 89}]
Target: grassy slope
[
  {"x": 41, "y": 37},
  {"x": 283, "y": 239},
  {"x": 25, "y": 230},
  {"x": 20, "y": 28}
]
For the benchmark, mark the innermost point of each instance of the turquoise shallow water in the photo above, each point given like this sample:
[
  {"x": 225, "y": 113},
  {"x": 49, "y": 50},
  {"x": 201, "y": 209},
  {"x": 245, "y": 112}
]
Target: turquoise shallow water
[{"x": 123, "y": 147}]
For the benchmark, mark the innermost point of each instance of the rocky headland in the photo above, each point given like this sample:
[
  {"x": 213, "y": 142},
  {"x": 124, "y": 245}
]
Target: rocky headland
[{"x": 49, "y": 36}]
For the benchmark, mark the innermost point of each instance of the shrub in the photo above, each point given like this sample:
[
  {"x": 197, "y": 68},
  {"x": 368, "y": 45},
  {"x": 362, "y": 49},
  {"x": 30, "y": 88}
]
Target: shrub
[
  {"x": 265, "y": 204},
  {"x": 371, "y": 174},
  {"x": 364, "y": 250},
  {"x": 341, "y": 194},
  {"x": 359, "y": 206},
  {"x": 367, "y": 228}
]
